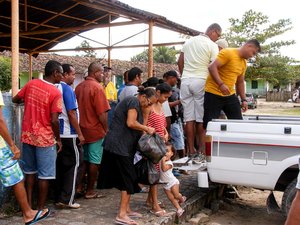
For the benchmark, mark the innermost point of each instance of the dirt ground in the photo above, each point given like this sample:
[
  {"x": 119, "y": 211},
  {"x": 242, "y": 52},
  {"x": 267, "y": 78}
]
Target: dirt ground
[
  {"x": 250, "y": 209},
  {"x": 275, "y": 108}
]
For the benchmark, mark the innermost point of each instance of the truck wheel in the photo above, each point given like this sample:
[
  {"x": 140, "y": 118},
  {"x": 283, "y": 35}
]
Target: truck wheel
[{"x": 288, "y": 197}]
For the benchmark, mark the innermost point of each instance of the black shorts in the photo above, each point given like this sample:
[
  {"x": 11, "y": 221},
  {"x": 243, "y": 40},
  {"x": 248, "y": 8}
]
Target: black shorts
[{"x": 213, "y": 104}]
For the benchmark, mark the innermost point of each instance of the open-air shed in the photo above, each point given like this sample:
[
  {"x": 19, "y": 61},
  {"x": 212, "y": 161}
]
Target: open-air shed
[{"x": 34, "y": 26}]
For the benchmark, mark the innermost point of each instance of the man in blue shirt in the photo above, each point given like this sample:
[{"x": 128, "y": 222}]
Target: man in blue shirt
[{"x": 70, "y": 158}]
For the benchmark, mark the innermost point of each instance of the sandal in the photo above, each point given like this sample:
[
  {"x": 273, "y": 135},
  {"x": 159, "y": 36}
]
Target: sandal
[
  {"x": 179, "y": 212},
  {"x": 134, "y": 215},
  {"x": 96, "y": 195},
  {"x": 159, "y": 213},
  {"x": 125, "y": 221}
]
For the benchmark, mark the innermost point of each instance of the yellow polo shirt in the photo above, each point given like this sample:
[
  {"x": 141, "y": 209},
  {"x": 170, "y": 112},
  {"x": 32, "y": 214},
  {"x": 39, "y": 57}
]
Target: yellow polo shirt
[
  {"x": 111, "y": 92},
  {"x": 233, "y": 66}
]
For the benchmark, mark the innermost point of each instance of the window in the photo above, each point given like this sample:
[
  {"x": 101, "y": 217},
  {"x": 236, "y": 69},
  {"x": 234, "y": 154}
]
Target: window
[{"x": 254, "y": 84}]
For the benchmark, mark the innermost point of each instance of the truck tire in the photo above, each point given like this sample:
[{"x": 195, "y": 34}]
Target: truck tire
[{"x": 288, "y": 197}]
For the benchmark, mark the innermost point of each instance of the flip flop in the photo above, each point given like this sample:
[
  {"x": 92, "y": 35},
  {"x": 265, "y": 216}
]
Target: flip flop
[
  {"x": 159, "y": 213},
  {"x": 180, "y": 212},
  {"x": 134, "y": 215},
  {"x": 38, "y": 217},
  {"x": 96, "y": 195},
  {"x": 183, "y": 200},
  {"x": 125, "y": 222}
]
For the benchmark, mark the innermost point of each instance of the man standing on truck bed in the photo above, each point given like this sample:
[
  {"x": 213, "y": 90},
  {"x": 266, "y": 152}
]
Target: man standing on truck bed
[{"x": 227, "y": 71}]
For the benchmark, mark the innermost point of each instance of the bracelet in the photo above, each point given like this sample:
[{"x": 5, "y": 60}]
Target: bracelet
[{"x": 220, "y": 85}]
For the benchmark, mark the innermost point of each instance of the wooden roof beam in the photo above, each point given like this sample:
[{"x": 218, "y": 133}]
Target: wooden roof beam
[
  {"x": 54, "y": 16},
  {"x": 114, "y": 47},
  {"x": 73, "y": 29},
  {"x": 53, "y": 12}
]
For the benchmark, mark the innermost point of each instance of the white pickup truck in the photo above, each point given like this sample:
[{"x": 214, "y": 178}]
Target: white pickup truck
[{"x": 260, "y": 151}]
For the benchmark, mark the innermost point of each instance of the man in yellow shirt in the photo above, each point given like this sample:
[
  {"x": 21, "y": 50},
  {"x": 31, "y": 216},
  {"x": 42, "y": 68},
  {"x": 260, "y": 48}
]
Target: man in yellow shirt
[
  {"x": 227, "y": 76},
  {"x": 111, "y": 92}
]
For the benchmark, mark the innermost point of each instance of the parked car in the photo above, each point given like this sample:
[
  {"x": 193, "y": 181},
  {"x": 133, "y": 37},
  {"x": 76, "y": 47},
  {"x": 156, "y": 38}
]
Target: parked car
[{"x": 252, "y": 100}]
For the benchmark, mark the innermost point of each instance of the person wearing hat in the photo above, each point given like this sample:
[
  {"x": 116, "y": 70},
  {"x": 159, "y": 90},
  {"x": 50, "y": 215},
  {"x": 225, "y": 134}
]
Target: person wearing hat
[
  {"x": 176, "y": 130},
  {"x": 222, "y": 43}
]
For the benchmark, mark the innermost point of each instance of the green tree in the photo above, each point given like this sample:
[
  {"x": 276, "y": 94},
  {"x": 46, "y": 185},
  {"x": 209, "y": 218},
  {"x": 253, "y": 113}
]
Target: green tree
[
  {"x": 161, "y": 54},
  {"x": 87, "y": 52},
  {"x": 269, "y": 64},
  {"x": 5, "y": 73}
]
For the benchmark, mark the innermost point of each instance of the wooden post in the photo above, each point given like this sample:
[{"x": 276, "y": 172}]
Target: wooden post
[
  {"x": 150, "y": 52},
  {"x": 15, "y": 46},
  {"x": 30, "y": 66}
]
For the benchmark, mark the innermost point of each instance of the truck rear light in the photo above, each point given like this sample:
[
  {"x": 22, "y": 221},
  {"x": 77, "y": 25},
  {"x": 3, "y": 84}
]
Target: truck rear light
[{"x": 208, "y": 140}]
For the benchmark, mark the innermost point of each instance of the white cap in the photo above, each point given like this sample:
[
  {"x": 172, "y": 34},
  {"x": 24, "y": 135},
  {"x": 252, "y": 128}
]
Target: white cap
[{"x": 222, "y": 43}]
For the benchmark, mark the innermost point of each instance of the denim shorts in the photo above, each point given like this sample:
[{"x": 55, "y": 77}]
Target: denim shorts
[
  {"x": 92, "y": 152},
  {"x": 10, "y": 171},
  {"x": 40, "y": 160},
  {"x": 177, "y": 137}
]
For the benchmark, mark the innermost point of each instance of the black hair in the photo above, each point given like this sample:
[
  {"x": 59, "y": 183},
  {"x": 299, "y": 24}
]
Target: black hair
[
  {"x": 152, "y": 81},
  {"x": 94, "y": 67},
  {"x": 51, "y": 67},
  {"x": 170, "y": 73},
  {"x": 214, "y": 27},
  {"x": 168, "y": 143},
  {"x": 67, "y": 68},
  {"x": 164, "y": 88},
  {"x": 254, "y": 42},
  {"x": 160, "y": 81},
  {"x": 133, "y": 72},
  {"x": 149, "y": 92}
]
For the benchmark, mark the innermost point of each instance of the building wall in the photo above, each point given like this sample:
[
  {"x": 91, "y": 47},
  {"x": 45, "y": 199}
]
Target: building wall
[{"x": 258, "y": 87}]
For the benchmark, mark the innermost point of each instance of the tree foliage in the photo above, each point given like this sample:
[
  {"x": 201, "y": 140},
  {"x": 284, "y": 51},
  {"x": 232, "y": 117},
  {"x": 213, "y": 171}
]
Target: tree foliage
[
  {"x": 161, "y": 54},
  {"x": 269, "y": 64},
  {"x": 87, "y": 52},
  {"x": 5, "y": 74}
]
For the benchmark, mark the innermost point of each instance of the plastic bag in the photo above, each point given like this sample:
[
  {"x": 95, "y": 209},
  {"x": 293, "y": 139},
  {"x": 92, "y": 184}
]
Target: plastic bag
[
  {"x": 146, "y": 172},
  {"x": 152, "y": 147}
]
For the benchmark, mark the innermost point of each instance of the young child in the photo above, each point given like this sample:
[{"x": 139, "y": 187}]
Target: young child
[{"x": 171, "y": 187}]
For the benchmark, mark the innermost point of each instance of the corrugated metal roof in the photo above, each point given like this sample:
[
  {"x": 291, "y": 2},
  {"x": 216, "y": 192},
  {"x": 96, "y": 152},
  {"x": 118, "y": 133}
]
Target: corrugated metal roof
[{"x": 45, "y": 23}]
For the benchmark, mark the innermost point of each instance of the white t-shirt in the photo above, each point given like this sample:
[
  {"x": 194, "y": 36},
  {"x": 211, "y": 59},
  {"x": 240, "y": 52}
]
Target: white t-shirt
[
  {"x": 129, "y": 90},
  {"x": 166, "y": 109},
  {"x": 199, "y": 52},
  {"x": 167, "y": 176}
]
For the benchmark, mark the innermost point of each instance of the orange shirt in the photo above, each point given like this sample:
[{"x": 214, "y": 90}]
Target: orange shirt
[{"x": 91, "y": 104}]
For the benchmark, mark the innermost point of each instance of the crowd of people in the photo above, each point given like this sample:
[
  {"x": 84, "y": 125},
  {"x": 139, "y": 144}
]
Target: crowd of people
[{"x": 87, "y": 138}]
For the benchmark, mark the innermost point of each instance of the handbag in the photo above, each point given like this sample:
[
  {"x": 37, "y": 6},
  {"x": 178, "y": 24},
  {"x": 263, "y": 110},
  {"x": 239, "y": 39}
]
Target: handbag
[
  {"x": 146, "y": 172},
  {"x": 152, "y": 147}
]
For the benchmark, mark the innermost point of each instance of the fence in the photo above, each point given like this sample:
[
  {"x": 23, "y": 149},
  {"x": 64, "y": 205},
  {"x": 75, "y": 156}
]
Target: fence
[{"x": 278, "y": 96}]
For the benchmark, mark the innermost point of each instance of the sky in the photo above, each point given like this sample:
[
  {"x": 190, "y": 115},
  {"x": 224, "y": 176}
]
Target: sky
[{"x": 194, "y": 14}]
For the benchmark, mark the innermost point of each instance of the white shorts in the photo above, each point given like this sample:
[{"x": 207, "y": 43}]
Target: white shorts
[
  {"x": 192, "y": 99},
  {"x": 169, "y": 185}
]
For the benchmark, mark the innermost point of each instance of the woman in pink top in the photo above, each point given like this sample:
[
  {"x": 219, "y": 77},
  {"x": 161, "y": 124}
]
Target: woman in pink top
[{"x": 154, "y": 117}]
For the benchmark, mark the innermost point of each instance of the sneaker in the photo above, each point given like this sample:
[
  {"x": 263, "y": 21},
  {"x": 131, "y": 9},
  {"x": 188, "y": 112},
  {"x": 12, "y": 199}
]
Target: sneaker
[
  {"x": 70, "y": 206},
  {"x": 199, "y": 158}
]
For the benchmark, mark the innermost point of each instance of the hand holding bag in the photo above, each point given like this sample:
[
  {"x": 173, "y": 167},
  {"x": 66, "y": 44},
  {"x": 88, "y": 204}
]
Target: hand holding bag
[
  {"x": 152, "y": 147},
  {"x": 146, "y": 172}
]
